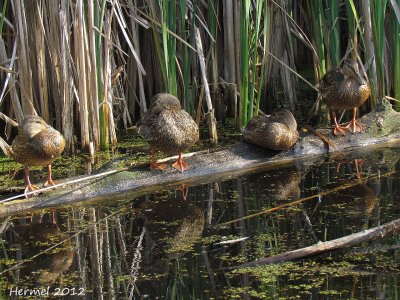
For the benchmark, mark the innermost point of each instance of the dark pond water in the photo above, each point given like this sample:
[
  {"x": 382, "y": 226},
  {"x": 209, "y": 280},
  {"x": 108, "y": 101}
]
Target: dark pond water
[{"x": 187, "y": 243}]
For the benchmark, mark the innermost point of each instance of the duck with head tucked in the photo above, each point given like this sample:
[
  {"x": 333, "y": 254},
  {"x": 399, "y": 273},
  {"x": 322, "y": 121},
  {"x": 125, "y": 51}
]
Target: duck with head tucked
[
  {"x": 168, "y": 128},
  {"x": 344, "y": 88},
  {"x": 275, "y": 132},
  {"x": 36, "y": 144}
]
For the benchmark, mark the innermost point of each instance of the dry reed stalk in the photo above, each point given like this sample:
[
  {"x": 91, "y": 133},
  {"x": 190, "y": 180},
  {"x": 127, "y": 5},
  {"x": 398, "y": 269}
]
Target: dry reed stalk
[
  {"x": 65, "y": 86},
  {"x": 136, "y": 45},
  {"x": 212, "y": 127},
  {"x": 80, "y": 57},
  {"x": 279, "y": 32},
  {"x": 370, "y": 50},
  {"x": 104, "y": 105},
  {"x": 130, "y": 86},
  {"x": 236, "y": 34},
  {"x": 10, "y": 80},
  {"x": 8, "y": 120},
  {"x": 24, "y": 67},
  {"x": 53, "y": 37},
  {"x": 230, "y": 57},
  {"x": 93, "y": 87},
  {"x": 111, "y": 123},
  {"x": 38, "y": 36}
]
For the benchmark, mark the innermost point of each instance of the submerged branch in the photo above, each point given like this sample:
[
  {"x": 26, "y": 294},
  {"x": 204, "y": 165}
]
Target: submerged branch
[{"x": 343, "y": 242}]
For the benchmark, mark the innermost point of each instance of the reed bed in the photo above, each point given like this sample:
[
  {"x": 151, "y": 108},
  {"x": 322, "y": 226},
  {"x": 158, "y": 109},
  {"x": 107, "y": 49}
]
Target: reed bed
[{"x": 90, "y": 67}]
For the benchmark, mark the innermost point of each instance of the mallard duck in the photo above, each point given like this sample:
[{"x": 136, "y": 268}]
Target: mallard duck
[
  {"x": 275, "y": 132},
  {"x": 343, "y": 88},
  {"x": 36, "y": 144},
  {"x": 168, "y": 128}
]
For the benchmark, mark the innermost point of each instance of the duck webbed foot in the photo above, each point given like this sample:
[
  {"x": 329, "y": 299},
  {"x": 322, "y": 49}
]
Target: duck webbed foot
[
  {"x": 157, "y": 166},
  {"x": 154, "y": 165},
  {"x": 30, "y": 188},
  {"x": 340, "y": 130},
  {"x": 181, "y": 165},
  {"x": 354, "y": 126},
  {"x": 49, "y": 182}
]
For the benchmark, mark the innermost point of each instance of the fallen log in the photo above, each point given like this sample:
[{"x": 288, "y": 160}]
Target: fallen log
[
  {"x": 382, "y": 129},
  {"x": 321, "y": 247}
]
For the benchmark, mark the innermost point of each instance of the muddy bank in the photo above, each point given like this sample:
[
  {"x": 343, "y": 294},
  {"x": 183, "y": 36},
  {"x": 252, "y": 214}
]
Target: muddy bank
[{"x": 382, "y": 129}]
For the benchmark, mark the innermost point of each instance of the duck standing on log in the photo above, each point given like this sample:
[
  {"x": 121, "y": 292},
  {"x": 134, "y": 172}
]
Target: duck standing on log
[
  {"x": 275, "y": 132},
  {"x": 344, "y": 88},
  {"x": 36, "y": 144},
  {"x": 169, "y": 129}
]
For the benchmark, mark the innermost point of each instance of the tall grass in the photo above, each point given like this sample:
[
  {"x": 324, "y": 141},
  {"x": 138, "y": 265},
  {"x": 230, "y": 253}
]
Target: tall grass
[
  {"x": 253, "y": 36},
  {"x": 245, "y": 99},
  {"x": 378, "y": 11},
  {"x": 396, "y": 51}
]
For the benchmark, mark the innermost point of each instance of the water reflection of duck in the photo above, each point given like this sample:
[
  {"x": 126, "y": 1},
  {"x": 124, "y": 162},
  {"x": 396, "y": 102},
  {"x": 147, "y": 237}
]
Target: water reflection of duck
[
  {"x": 344, "y": 88},
  {"x": 357, "y": 202},
  {"x": 180, "y": 223},
  {"x": 282, "y": 184},
  {"x": 35, "y": 239},
  {"x": 275, "y": 132},
  {"x": 172, "y": 229},
  {"x": 168, "y": 128},
  {"x": 36, "y": 144}
]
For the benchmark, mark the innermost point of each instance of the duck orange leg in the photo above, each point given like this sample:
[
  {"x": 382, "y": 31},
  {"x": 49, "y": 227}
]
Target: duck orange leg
[
  {"x": 180, "y": 165},
  {"x": 338, "y": 130},
  {"x": 354, "y": 126},
  {"x": 154, "y": 165},
  {"x": 49, "y": 180},
  {"x": 29, "y": 186}
]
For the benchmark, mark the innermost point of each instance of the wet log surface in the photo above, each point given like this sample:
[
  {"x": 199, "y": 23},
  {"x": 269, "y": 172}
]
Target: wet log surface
[{"x": 382, "y": 128}]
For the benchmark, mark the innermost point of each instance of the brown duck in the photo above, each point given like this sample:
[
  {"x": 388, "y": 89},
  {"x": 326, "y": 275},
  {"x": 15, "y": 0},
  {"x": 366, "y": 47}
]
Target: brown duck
[
  {"x": 343, "y": 88},
  {"x": 36, "y": 144},
  {"x": 275, "y": 132},
  {"x": 168, "y": 128}
]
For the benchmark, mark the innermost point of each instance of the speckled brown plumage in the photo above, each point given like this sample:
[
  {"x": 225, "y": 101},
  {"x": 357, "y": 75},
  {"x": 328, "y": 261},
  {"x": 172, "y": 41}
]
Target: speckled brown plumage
[
  {"x": 36, "y": 144},
  {"x": 167, "y": 127},
  {"x": 343, "y": 88},
  {"x": 275, "y": 132}
]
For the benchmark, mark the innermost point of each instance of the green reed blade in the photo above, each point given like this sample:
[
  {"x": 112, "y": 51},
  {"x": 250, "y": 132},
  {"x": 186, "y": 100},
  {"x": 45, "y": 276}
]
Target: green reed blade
[
  {"x": 244, "y": 61},
  {"x": 396, "y": 57}
]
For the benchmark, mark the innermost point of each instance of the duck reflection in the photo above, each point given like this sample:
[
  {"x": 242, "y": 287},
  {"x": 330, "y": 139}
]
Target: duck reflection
[
  {"x": 280, "y": 184},
  {"x": 43, "y": 264},
  {"x": 353, "y": 206},
  {"x": 172, "y": 228}
]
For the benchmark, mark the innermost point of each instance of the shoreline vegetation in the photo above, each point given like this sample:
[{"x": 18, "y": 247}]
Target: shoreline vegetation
[{"x": 89, "y": 68}]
